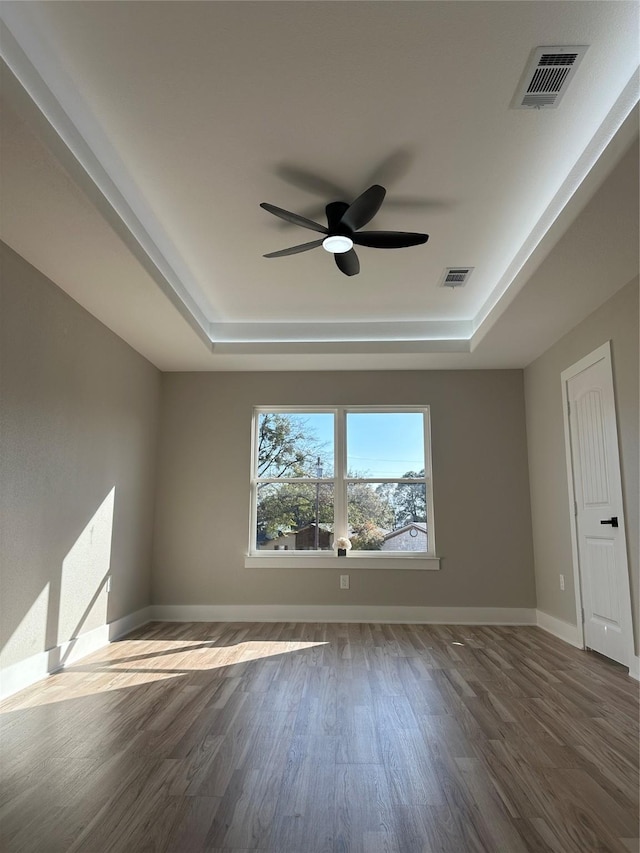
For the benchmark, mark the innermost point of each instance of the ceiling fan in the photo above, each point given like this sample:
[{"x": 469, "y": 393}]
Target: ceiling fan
[{"x": 342, "y": 230}]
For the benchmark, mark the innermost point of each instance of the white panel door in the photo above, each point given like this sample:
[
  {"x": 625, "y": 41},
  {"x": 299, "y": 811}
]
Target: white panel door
[{"x": 602, "y": 553}]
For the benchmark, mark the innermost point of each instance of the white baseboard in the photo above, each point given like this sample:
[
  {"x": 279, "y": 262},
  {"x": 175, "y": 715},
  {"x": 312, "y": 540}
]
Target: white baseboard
[
  {"x": 569, "y": 633},
  {"x": 122, "y": 626},
  {"x": 559, "y": 628},
  {"x": 343, "y": 613},
  {"x": 19, "y": 675}
]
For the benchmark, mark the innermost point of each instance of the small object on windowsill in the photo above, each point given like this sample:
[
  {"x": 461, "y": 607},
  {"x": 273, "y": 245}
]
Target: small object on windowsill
[{"x": 342, "y": 544}]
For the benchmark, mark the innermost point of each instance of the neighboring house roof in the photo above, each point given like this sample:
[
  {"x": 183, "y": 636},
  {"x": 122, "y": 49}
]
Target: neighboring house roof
[
  {"x": 328, "y": 528},
  {"x": 412, "y": 525}
]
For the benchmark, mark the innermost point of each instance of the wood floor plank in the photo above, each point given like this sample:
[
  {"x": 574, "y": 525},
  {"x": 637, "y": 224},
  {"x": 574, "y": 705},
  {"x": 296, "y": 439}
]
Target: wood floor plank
[
  {"x": 363, "y": 809},
  {"x": 324, "y": 738},
  {"x": 246, "y": 813},
  {"x": 492, "y": 804},
  {"x": 190, "y": 826},
  {"x": 305, "y": 813}
]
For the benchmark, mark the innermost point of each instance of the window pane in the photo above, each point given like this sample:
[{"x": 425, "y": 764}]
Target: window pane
[
  {"x": 387, "y": 516},
  {"x": 295, "y": 445},
  {"x": 295, "y": 516},
  {"x": 385, "y": 444}
]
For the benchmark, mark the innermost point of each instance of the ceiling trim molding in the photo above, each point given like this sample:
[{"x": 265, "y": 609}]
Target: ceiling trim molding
[
  {"x": 398, "y": 332},
  {"x": 341, "y": 347}
]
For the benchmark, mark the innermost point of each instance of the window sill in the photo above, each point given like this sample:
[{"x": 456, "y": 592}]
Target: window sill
[{"x": 278, "y": 560}]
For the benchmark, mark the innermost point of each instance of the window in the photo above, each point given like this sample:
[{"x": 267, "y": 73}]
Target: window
[{"x": 363, "y": 473}]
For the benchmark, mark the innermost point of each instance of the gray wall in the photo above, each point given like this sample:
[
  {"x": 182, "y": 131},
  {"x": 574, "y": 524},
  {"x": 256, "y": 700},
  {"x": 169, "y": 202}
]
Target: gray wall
[
  {"x": 481, "y": 491},
  {"x": 78, "y": 427},
  {"x": 616, "y": 320}
]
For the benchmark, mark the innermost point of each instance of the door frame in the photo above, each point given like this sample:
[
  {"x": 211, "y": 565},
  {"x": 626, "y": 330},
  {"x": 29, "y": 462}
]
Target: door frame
[{"x": 602, "y": 353}]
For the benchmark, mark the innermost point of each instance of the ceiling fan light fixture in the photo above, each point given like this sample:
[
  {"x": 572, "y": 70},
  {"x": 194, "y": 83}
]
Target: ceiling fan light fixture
[
  {"x": 342, "y": 230},
  {"x": 337, "y": 244}
]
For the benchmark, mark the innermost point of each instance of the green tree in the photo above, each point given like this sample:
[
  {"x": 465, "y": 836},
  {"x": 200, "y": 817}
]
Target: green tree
[
  {"x": 286, "y": 507},
  {"x": 410, "y": 500},
  {"x": 367, "y": 537},
  {"x": 370, "y": 514},
  {"x": 287, "y": 447},
  {"x": 368, "y": 504}
]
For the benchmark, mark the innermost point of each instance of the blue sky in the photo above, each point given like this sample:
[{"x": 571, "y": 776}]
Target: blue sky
[{"x": 378, "y": 445}]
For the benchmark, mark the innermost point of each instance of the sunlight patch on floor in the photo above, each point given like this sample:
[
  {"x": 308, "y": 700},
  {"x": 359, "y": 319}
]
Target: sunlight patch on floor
[{"x": 126, "y": 665}]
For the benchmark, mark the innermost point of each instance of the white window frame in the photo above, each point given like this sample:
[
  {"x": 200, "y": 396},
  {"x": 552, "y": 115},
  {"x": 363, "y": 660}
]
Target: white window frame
[{"x": 412, "y": 560}]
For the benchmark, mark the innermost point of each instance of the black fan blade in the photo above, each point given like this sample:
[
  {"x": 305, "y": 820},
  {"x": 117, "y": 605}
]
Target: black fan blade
[
  {"x": 313, "y": 212},
  {"x": 364, "y": 208},
  {"x": 293, "y": 217},
  {"x": 389, "y": 239},
  {"x": 294, "y": 250},
  {"x": 347, "y": 262}
]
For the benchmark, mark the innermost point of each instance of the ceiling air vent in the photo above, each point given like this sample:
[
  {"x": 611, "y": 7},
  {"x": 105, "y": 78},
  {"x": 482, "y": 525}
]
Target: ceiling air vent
[
  {"x": 456, "y": 276},
  {"x": 547, "y": 76}
]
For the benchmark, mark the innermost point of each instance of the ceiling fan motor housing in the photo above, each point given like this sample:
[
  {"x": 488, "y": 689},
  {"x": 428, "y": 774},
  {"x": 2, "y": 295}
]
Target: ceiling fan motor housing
[{"x": 335, "y": 210}]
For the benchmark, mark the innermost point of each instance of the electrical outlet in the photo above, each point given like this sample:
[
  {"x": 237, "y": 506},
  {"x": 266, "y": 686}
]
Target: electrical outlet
[
  {"x": 344, "y": 581},
  {"x": 562, "y": 582}
]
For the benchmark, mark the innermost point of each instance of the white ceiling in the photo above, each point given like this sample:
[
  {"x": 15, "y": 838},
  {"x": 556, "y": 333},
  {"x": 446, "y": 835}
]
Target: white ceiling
[{"x": 141, "y": 138}]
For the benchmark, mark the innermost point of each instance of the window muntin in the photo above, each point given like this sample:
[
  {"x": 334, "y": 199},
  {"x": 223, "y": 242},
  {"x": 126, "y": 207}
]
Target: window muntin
[{"x": 318, "y": 492}]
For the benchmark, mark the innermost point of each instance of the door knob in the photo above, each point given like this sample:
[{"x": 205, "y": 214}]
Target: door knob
[{"x": 613, "y": 521}]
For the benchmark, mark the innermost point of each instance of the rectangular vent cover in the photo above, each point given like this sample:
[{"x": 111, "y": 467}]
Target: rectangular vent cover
[
  {"x": 547, "y": 76},
  {"x": 456, "y": 276}
]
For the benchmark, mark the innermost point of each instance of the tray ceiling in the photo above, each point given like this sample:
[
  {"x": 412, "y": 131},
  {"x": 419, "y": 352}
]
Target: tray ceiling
[{"x": 140, "y": 139}]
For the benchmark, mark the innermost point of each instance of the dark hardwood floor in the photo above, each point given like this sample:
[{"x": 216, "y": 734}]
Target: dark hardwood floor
[{"x": 327, "y": 738}]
